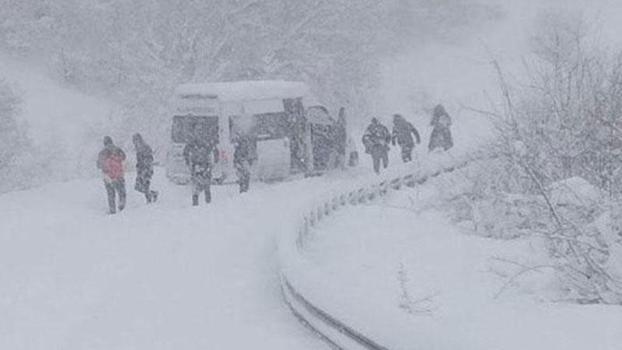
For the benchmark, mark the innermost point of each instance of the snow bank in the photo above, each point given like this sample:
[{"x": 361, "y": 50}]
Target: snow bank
[
  {"x": 414, "y": 281},
  {"x": 575, "y": 191}
]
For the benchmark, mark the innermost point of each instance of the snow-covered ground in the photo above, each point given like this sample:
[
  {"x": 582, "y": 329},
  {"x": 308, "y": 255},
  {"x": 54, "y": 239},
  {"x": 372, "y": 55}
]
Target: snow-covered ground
[
  {"x": 165, "y": 276},
  {"x": 409, "y": 279},
  {"x": 170, "y": 276}
]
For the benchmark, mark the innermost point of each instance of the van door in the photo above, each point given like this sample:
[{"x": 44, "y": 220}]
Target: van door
[
  {"x": 273, "y": 145},
  {"x": 270, "y": 130},
  {"x": 300, "y": 154}
]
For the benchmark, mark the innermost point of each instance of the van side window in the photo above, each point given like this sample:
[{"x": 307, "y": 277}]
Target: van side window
[
  {"x": 184, "y": 128},
  {"x": 265, "y": 126},
  {"x": 270, "y": 126}
]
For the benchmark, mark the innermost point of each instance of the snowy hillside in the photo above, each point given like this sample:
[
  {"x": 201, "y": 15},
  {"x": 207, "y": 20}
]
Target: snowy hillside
[{"x": 61, "y": 123}]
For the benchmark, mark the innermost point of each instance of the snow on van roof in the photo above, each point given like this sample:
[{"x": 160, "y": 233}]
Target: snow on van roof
[{"x": 245, "y": 90}]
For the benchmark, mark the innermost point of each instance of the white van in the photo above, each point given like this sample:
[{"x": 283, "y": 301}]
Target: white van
[{"x": 267, "y": 110}]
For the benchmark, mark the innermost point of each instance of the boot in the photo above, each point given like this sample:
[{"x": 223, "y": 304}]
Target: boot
[{"x": 195, "y": 200}]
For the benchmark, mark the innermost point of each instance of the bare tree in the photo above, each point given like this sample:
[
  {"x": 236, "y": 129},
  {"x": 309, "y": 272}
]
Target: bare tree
[{"x": 562, "y": 124}]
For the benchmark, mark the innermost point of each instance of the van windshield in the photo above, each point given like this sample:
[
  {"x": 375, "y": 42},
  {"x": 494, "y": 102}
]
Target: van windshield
[
  {"x": 184, "y": 127},
  {"x": 269, "y": 126},
  {"x": 266, "y": 126}
]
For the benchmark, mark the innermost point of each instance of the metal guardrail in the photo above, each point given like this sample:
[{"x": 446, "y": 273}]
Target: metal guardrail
[
  {"x": 323, "y": 316},
  {"x": 335, "y": 332}
]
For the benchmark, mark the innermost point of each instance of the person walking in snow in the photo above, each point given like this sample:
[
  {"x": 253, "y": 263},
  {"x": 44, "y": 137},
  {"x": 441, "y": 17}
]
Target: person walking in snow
[
  {"x": 403, "y": 132},
  {"x": 243, "y": 157},
  {"x": 144, "y": 168},
  {"x": 200, "y": 157},
  {"x": 441, "y": 135},
  {"x": 376, "y": 141},
  {"x": 110, "y": 162}
]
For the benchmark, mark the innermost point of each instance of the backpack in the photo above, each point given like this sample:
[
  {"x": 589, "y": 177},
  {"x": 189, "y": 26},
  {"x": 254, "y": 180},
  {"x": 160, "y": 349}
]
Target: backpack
[{"x": 113, "y": 166}]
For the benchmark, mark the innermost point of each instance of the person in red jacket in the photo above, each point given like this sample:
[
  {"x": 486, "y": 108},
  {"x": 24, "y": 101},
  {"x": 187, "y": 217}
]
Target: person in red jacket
[{"x": 110, "y": 162}]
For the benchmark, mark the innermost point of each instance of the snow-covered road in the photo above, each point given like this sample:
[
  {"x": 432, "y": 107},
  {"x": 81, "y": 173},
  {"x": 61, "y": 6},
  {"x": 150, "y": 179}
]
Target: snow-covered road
[{"x": 167, "y": 276}]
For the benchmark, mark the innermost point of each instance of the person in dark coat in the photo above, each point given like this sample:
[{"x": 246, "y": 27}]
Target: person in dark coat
[
  {"x": 441, "y": 134},
  {"x": 403, "y": 132},
  {"x": 110, "y": 162},
  {"x": 340, "y": 139},
  {"x": 243, "y": 157},
  {"x": 200, "y": 157},
  {"x": 144, "y": 168},
  {"x": 376, "y": 141}
]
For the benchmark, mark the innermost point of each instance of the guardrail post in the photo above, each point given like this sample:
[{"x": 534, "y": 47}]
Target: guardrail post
[
  {"x": 352, "y": 198},
  {"x": 384, "y": 188},
  {"x": 409, "y": 180},
  {"x": 371, "y": 194}
]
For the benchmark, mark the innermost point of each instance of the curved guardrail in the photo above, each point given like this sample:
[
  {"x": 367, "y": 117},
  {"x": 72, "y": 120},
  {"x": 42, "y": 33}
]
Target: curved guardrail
[{"x": 334, "y": 331}]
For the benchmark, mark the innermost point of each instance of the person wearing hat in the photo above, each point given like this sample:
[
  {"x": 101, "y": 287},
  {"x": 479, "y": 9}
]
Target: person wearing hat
[
  {"x": 110, "y": 162},
  {"x": 200, "y": 156},
  {"x": 441, "y": 134},
  {"x": 376, "y": 141},
  {"x": 243, "y": 157},
  {"x": 144, "y": 168}
]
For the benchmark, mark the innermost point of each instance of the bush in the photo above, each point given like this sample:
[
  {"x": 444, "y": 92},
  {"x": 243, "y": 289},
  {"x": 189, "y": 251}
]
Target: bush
[{"x": 558, "y": 158}]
